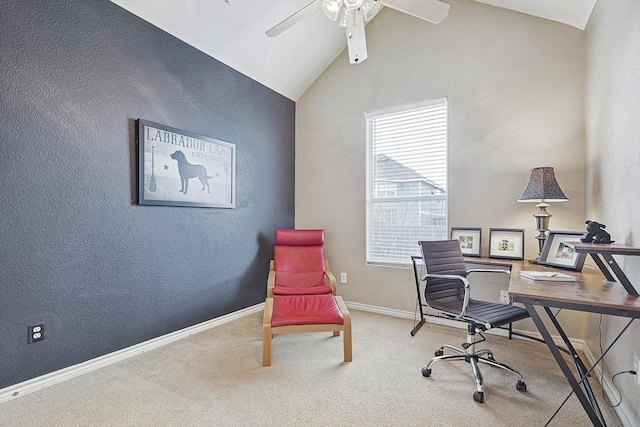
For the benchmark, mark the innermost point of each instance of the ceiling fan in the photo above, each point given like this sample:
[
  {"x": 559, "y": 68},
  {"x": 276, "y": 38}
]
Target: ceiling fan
[{"x": 352, "y": 14}]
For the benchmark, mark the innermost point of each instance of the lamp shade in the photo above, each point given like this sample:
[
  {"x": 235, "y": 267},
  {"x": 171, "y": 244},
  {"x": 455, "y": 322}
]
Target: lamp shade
[{"x": 542, "y": 187}]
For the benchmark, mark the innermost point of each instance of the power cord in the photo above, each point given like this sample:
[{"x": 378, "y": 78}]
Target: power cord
[
  {"x": 606, "y": 398},
  {"x": 586, "y": 374},
  {"x": 632, "y": 372}
]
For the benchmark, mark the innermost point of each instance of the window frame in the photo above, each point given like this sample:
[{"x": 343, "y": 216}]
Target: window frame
[{"x": 371, "y": 186}]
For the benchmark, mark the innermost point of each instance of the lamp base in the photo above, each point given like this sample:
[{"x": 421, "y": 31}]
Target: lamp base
[{"x": 542, "y": 223}]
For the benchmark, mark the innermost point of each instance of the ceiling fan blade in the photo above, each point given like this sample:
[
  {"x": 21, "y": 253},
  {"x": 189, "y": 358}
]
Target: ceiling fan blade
[
  {"x": 356, "y": 42},
  {"x": 430, "y": 10},
  {"x": 294, "y": 19}
]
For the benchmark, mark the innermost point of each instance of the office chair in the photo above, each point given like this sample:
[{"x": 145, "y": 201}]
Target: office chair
[
  {"x": 298, "y": 266},
  {"x": 447, "y": 290}
]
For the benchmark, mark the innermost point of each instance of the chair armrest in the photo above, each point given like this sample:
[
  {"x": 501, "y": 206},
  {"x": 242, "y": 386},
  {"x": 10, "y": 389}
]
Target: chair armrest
[
  {"x": 271, "y": 280},
  {"x": 467, "y": 291},
  {"x": 447, "y": 276},
  {"x": 488, "y": 270},
  {"x": 330, "y": 277}
]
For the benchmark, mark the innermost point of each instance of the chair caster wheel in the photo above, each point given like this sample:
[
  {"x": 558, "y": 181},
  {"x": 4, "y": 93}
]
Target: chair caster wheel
[
  {"x": 521, "y": 386},
  {"x": 478, "y": 396},
  {"x": 426, "y": 372},
  {"x": 439, "y": 352}
]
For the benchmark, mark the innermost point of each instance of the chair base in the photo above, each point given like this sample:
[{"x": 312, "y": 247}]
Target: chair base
[
  {"x": 268, "y": 330},
  {"x": 469, "y": 355}
]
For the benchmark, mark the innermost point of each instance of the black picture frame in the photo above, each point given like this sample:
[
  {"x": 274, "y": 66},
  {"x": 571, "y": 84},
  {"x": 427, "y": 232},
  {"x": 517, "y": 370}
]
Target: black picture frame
[
  {"x": 470, "y": 239},
  {"x": 556, "y": 253},
  {"x": 506, "y": 243},
  {"x": 181, "y": 168}
]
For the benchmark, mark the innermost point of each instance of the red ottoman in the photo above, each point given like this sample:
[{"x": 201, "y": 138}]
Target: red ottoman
[{"x": 288, "y": 314}]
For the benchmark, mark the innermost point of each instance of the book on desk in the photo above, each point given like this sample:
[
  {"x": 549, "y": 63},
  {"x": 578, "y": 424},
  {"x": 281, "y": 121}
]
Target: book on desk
[{"x": 547, "y": 276}]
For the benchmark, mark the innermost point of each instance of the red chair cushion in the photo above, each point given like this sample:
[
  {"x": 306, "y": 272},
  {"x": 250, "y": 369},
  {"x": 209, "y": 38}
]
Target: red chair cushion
[
  {"x": 299, "y": 262},
  {"x": 299, "y": 267},
  {"x": 314, "y": 290},
  {"x": 287, "y": 237},
  {"x": 306, "y": 310}
]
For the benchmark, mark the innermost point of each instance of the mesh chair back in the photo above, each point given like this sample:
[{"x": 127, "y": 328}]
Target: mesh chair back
[{"x": 444, "y": 257}]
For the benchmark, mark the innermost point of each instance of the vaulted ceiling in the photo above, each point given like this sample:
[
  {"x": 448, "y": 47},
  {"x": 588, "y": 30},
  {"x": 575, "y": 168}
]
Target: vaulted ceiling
[{"x": 233, "y": 32}]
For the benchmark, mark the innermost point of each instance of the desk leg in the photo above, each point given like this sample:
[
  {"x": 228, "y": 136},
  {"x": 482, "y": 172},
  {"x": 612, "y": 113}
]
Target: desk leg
[
  {"x": 579, "y": 365},
  {"x": 418, "y": 325},
  {"x": 419, "y": 301},
  {"x": 592, "y": 410}
]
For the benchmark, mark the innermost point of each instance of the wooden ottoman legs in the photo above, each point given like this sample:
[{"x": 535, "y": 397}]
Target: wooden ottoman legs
[
  {"x": 346, "y": 330},
  {"x": 268, "y": 331}
]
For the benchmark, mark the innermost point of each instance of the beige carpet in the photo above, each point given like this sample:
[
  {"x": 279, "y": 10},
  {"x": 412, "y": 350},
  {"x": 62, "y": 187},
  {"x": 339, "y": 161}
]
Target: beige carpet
[{"x": 215, "y": 378}]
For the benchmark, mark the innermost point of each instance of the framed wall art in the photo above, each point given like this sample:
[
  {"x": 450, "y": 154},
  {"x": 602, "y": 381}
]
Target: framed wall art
[
  {"x": 506, "y": 243},
  {"x": 557, "y": 253},
  {"x": 180, "y": 168},
  {"x": 470, "y": 240}
]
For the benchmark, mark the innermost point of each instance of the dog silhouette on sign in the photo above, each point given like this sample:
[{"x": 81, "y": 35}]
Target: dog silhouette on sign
[{"x": 188, "y": 170}]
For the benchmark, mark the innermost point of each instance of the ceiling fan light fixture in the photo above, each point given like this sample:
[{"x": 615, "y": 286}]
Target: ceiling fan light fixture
[
  {"x": 331, "y": 8},
  {"x": 348, "y": 19},
  {"x": 370, "y": 8},
  {"x": 352, "y": 15}
]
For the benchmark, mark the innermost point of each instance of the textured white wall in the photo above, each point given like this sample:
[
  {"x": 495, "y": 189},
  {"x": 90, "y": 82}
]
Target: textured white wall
[
  {"x": 613, "y": 162},
  {"x": 515, "y": 89}
]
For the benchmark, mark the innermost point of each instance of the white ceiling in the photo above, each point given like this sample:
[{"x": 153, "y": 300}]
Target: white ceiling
[{"x": 233, "y": 32}]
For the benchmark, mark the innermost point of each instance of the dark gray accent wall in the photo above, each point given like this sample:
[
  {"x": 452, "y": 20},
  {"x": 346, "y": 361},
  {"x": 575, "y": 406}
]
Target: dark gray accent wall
[{"x": 76, "y": 251}]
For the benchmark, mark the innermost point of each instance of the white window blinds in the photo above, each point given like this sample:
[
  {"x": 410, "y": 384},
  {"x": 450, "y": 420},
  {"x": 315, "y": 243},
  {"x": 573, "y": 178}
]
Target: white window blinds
[{"x": 406, "y": 180}]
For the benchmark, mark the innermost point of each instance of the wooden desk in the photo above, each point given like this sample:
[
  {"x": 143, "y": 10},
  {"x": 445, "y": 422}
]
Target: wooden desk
[{"x": 591, "y": 293}]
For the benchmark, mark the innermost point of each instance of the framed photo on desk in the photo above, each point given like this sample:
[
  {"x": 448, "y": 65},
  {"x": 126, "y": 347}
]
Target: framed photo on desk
[
  {"x": 506, "y": 243},
  {"x": 558, "y": 254},
  {"x": 470, "y": 240}
]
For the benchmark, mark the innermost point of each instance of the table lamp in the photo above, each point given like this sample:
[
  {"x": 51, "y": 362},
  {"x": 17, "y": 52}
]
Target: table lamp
[{"x": 542, "y": 188}]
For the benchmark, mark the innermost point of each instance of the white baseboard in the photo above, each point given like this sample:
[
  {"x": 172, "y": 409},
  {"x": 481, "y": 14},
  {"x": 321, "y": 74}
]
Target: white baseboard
[{"x": 61, "y": 375}]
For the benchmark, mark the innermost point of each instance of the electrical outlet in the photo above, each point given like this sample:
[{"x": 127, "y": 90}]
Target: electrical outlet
[
  {"x": 343, "y": 277},
  {"x": 504, "y": 297},
  {"x": 636, "y": 367},
  {"x": 35, "y": 333}
]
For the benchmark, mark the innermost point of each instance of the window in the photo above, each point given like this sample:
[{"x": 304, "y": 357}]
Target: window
[{"x": 406, "y": 180}]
